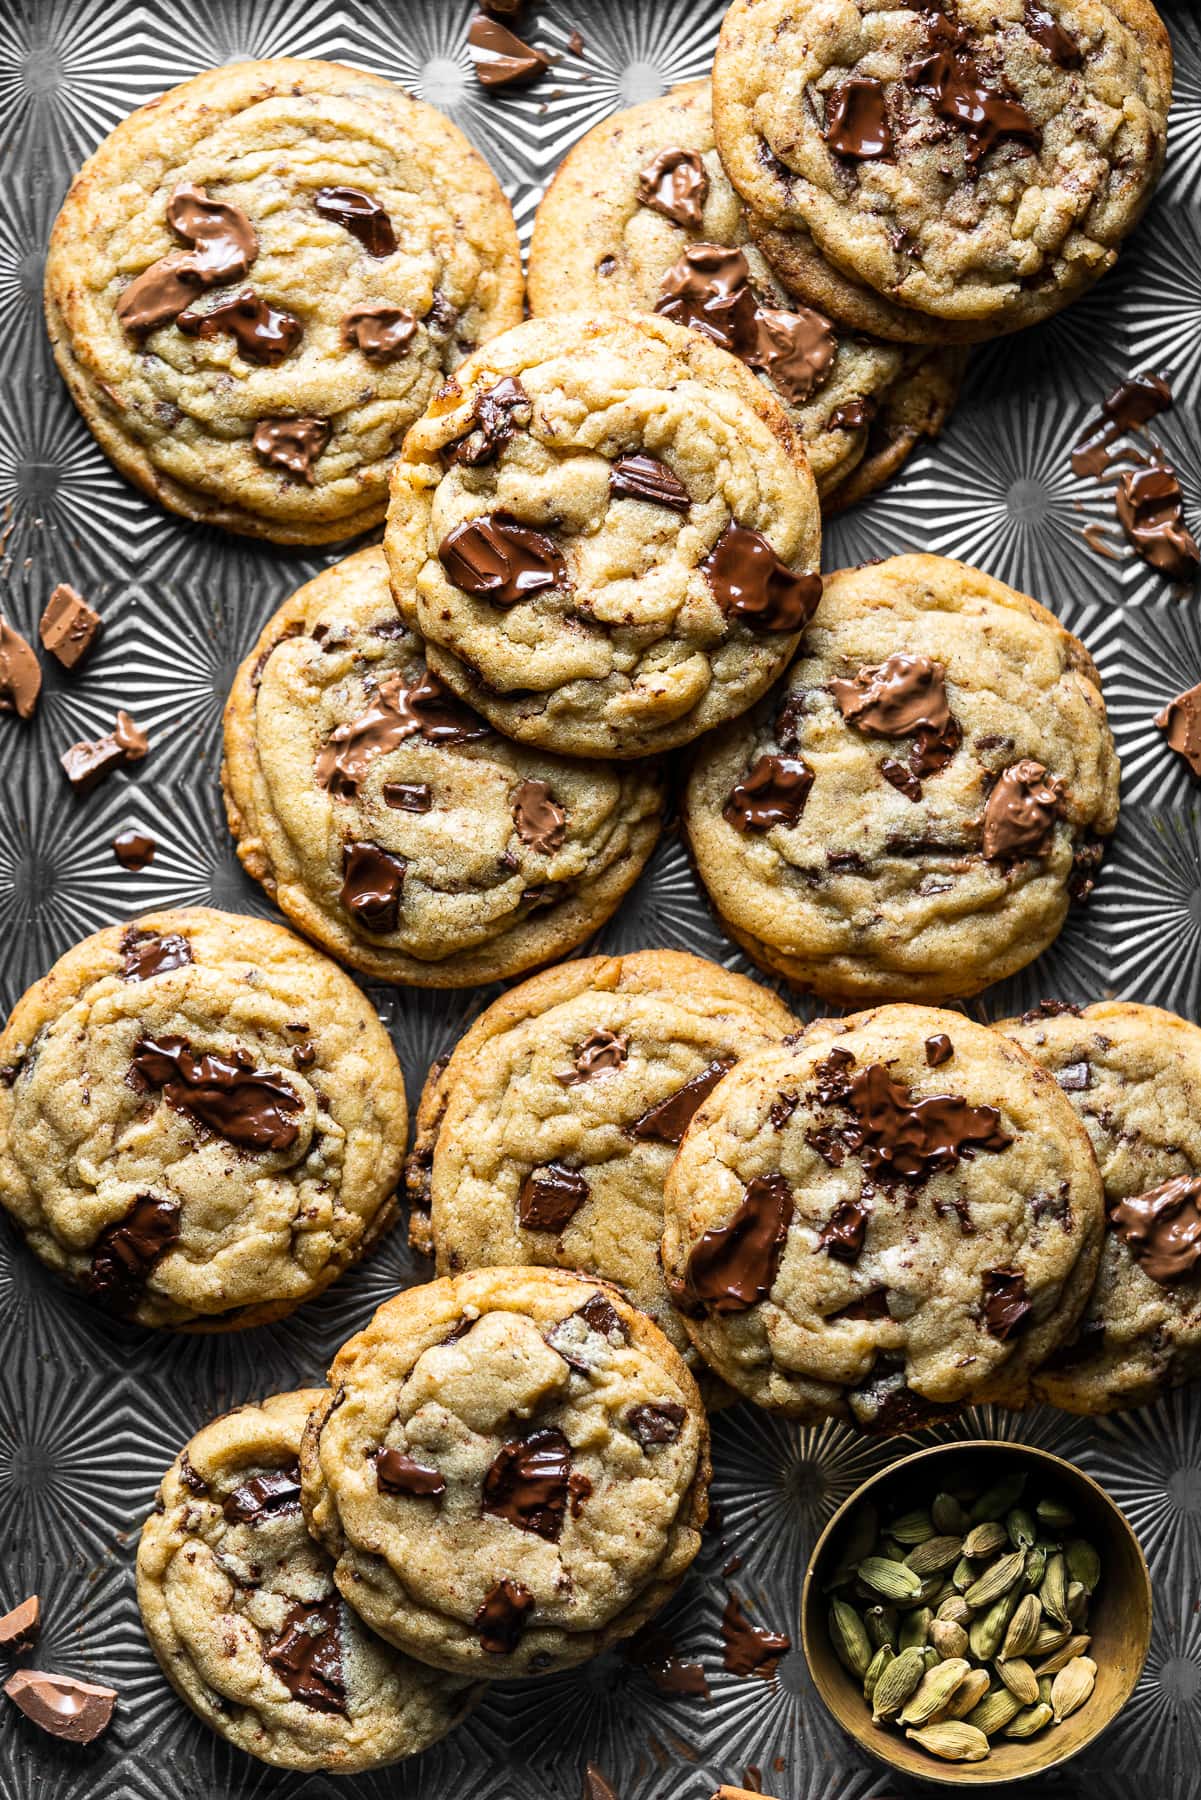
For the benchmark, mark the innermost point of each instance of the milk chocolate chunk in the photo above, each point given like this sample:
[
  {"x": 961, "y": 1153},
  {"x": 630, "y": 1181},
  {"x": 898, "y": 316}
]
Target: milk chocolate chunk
[
  {"x": 397, "y": 712},
  {"x": 269, "y": 1496},
  {"x": 1006, "y": 1308},
  {"x": 857, "y": 120},
  {"x": 550, "y": 1197},
  {"x": 382, "y": 333},
  {"x": 499, "y": 559},
  {"x": 307, "y": 1655},
  {"x": 796, "y": 348},
  {"x": 986, "y": 115},
  {"x": 637, "y": 476},
  {"x": 372, "y": 883},
  {"x": 1046, "y": 30},
  {"x": 20, "y": 1627},
  {"x": 501, "y": 1620},
  {"x": 748, "y": 1649},
  {"x": 541, "y": 822},
  {"x": 149, "y": 953},
  {"x": 939, "y": 1049},
  {"x": 751, "y": 584},
  {"x": 1021, "y": 813},
  {"x": 1150, "y": 509},
  {"x": 667, "y": 1121},
  {"x": 125, "y": 1252},
  {"x": 527, "y": 1483},
  {"x": 410, "y": 797},
  {"x": 1180, "y": 722},
  {"x": 361, "y": 214},
  {"x": 844, "y": 1231},
  {"x": 733, "y": 1266},
  {"x": 292, "y": 445},
  {"x": 396, "y": 1473},
  {"x": 600, "y": 1052},
  {"x": 76, "y": 1711},
  {"x": 501, "y": 58},
  {"x": 772, "y": 792},
  {"x": 134, "y": 850},
  {"x": 497, "y": 413},
  {"x": 653, "y": 1425},
  {"x": 68, "y": 626},
  {"x": 222, "y": 245},
  {"x": 263, "y": 333},
  {"x": 1163, "y": 1228},
  {"x": 676, "y": 184},
  {"x": 256, "y": 1109},
  {"x": 20, "y": 674},
  {"x": 906, "y": 696}
]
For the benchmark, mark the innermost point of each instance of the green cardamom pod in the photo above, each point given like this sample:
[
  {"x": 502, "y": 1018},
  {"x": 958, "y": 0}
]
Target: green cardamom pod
[
  {"x": 881, "y": 1622},
  {"x": 967, "y": 1695},
  {"x": 948, "y": 1639},
  {"x": 1036, "y": 1568},
  {"x": 892, "y": 1580},
  {"x": 898, "y": 1681},
  {"x": 1077, "y": 1604},
  {"x": 962, "y": 1575},
  {"x": 996, "y": 1501},
  {"x": 1084, "y": 1565},
  {"x": 995, "y": 1711},
  {"x": 1054, "y": 1515},
  {"x": 1050, "y": 1637},
  {"x": 1054, "y": 1590},
  {"x": 875, "y": 1669},
  {"x": 985, "y": 1540},
  {"x": 954, "y": 1741},
  {"x": 1023, "y": 1532},
  {"x": 912, "y": 1528},
  {"x": 915, "y": 1629},
  {"x": 1063, "y": 1654},
  {"x": 1019, "y": 1678},
  {"x": 1030, "y": 1721},
  {"x": 937, "y": 1686},
  {"x": 1045, "y": 1685},
  {"x": 1022, "y": 1633},
  {"x": 956, "y": 1609},
  {"x": 852, "y": 1646},
  {"x": 948, "y": 1516},
  {"x": 935, "y": 1556},
  {"x": 997, "y": 1579},
  {"x": 1072, "y": 1686},
  {"x": 986, "y": 1634}
]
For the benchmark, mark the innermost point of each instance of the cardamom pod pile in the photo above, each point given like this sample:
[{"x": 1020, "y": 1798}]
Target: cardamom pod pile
[{"x": 967, "y": 1620}]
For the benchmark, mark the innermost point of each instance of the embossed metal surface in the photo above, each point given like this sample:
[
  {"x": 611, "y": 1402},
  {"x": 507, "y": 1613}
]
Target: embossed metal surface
[{"x": 91, "y": 1411}]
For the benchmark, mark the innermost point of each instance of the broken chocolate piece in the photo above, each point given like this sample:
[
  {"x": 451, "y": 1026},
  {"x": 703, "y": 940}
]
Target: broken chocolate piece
[
  {"x": 550, "y": 1197},
  {"x": 264, "y": 1497},
  {"x": 653, "y": 1425},
  {"x": 20, "y": 674},
  {"x": 292, "y": 445},
  {"x": 68, "y": 626},
  {"x": 222, "y": 245},
  {"x": 497, "y": 413},
  {"x": 1150, "y": 508},
  {"x": 939, "y": 1049},
  {"x": 501, "y": 58},
  {"x": 527, "y": 1483},
  {"x": 772, "y": 792},
  {"x": 19, "y": 1628},
  {"x": 307, "y": 1655},
  {"x": 75, "y": 1711},
  {"x": 750, "y": 582},
  {"x": 541, "y": 822},
  {"x": 1007, "y": 1312},
  {"x": 134, "y": 850},
  {"x": 1021, "y": 812},
  {"x": 372, "y": 884},
  {"x": 396, "y": 1473},
  {"x": 906, "y": 696},
  {"x": 669, "y": 1119},
  {"x": 1180, "y": 722},
  {"x": 397, "y": 712},
  {"x": 253, "y": 1108},
  {"x": 637, "y": 476},
  {"x": 732, "y": 1267},
  {"x": 497, "y": 558}
]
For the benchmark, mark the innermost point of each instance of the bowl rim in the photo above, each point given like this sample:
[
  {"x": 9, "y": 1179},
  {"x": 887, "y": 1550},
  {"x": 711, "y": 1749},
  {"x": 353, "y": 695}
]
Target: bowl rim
[{"x": 941, "y": 1775}]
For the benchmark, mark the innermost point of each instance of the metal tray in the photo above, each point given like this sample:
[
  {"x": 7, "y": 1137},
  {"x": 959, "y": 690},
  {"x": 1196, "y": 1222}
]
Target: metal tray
[{"x": 91, "y": 1411}]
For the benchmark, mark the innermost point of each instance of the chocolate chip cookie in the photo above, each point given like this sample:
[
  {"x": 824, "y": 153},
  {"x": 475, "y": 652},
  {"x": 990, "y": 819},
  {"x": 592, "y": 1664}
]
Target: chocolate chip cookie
[
  {"x": 641, "y": 217},
  {"x": 547, "y": 1136},
  {"x": 202, "y": 1120},
  {"x": 978, "y": 162},
  {"x": 259, "y": 280},
  {"x": 910, "y": 816},
  {"x": 1133, "y": 1075},
  {"x": 240, "y": 1607},
  {"x": 511, "y": 1471},
  {"x": 607, "y": 533},
  {"x": 391, "y": 823},
  {"x": 898, "y": 1214}
]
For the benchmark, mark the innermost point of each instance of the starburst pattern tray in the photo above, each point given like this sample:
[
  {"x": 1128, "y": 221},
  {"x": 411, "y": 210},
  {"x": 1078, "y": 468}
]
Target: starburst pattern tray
[{"x": 92, "y": 1411}]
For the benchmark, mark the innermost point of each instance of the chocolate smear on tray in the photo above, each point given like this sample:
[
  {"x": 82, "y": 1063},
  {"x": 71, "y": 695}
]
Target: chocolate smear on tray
[
  {"x": 134, "y": 850},
  {"x": 772, "y": 792},
  {"x": 1150, "y": 509},
  {"x": 653, "y": 1425},
  {"x": 292, "y": 445},
  {"x": 1046, "y": 30},
  {"x": 1180, "y": 722},
  {"x": 676, "y": 184},
  {"x": 600, "y": 1053},
  {"x": 1132, "y": 403},
  {"x": 501, "y": 1620},
  {"x": 20, "y": 1627},
  {"x": 541, "y": 822},
  {"x": 20, "y": 674},
  {"x": 550, "y": 1196},
  {"x": 265, "y": 1497},
  {"x": 126, "y": 1251},
  {"x": 498, "y": 413},
  {"x": 1021, "y": 812},
  {"x": 906, "y": 696},
  {"x": 527, "y": 1483},
  {"x": 1007, "y": 1312},
  {"x": 668, "y": 1120},
  {"x": 222, "y": 246},
  {"x": 149, "y": 953},
  {"x": 844, "y": 1231},
  {"x": 263, "y": 333},
  {"x": 751, "y": 584},
  {"x": 372, "y": 883},
  {"x": 1162, "y": 1228},
  {"x": 709, "y": 289},
  {"x": 857, "y": 120},
  {"x": 360, "y": 214},
  {"x": 395, "y": 713},
  {"x": 75, "y": 1711},
  {"x": 637, "y": 476},
  {"x": 307, "y": 1655},
  {"x": 396, "y": 1473},
  {"x": 748, "y": 1649},
  {"x": 380, "y": 331},
  {"x": 501, "y": 58},
  {"x": 732, "y": 1267},
  {"x": 497, "y": 558},
  {"x": 256, "y": 1109},
  {"x": 68, "y": 626},
  {"x": 651, "y": 1649}
]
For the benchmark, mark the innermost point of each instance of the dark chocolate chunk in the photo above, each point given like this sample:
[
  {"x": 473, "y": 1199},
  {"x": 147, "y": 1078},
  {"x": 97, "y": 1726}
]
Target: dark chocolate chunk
[
  {"x": 126, "y": 1251},
  {"x": 68, "y": 626},
  {"x": 499, "y": 559},
  {"x": 265, "y": 1497},
  {"x": 653, "y": 1425},
  {"x": 360, "y": 214},
  {"x": 307, "y": 1655},
  {"x": 732, "y": 1267},
  {"x": 772, "y": 792},
  {"x": 256, "y": 1109},
  {"x": 396, "y": 1473},
  {"x": 149, "y": 953},
  {"x": 501, "y": 1619},
  {"x": 497, "y": 413},
  {"x": 1162, "y": 1228},
  {"x": 600, "y": 1315},
  {"x": 292, "y": 445},
  {"x": 527, "y": 1483},
  {"x": 1007, "y": 1312},
  {"x": 411, "y": 797},
  {"x": 134, "y": 850},
  {"x": 372, "y": 884},
  {"x": 637, "y": 476},
  {"x": 550, "y": 1197},
  {"x": 857, "y": 120},
  {"x": 1046, "y": 30},
  {"x": 668, "y": 1120},
  {"x": 844, "y": 1231},
  {"x": 903, "y": 1139},
  {"x": 676, "y": 184},
  {"x": 750, "y": 582},
  {"x": 380, "y": 332},
  {"x": 939, "y": 1049},
  {"x": 986, "y": 115}
]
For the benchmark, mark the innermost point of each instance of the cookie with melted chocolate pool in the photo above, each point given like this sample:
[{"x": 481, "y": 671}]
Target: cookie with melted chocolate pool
[
  {"x": 910, "y": 815},
  {"x": 849, "y": 1229},
  {"x": 1133, "y": 1075},
  {"x": 511, "y": 1471},
  {"x": 202, "y": 1120},
  {"x": 241, "y": 1610}
]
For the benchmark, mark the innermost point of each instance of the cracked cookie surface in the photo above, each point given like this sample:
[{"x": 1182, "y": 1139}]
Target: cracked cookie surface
[
  {"x": 1133, "y": 1075},
  {"x": 645, "y": 188},
  {"x": 391, "y": 824},
  {"x": 258, "y": 281},
  {"x": 976, "y": 161},
  {"x": 909, "y": 816},
  {"x": 607, "y": 533},
  {"x": 511, "y": 1473},
  {"x": 547, "y": 1136},
  {"x": 896, "y": 1214},
  {"x": 202, "y": 1120},
  {"x": 240, "y": 1607}
]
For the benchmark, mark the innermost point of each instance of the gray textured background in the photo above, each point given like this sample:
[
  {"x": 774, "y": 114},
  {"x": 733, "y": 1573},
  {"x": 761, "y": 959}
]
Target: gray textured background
[{"x": 91, "y": 1411}]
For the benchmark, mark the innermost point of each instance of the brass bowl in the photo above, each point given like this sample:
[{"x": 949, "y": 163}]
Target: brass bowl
[{"x": 1119, "y": 1613}]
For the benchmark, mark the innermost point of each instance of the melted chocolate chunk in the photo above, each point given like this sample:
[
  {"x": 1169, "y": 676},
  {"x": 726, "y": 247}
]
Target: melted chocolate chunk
[
  {"x": 900, "y": 1138},
  {"x": 68, "y": 627},
  {"x": 856, "y": 415},
  {"x": 307, "y": 1655},
  {"x": 125, "y": 1252},
  {"x": 501, "y": 58},
  {"x": 1046, "y": 30},
  {"x": 668, "y": 1120},
  {"x": 1180, "y": 722},
  {"x": 380, "y": 332},
  {"x": 75, "y": 1711},
  {"x": 255, "y": 1109},
  {"x": 361, "y": 215},
  {"x": 843, "y": 1233},
  {"x": 541, "y": 822},
  {"x": 410, "y": 797},
  {"x": 637, "y": 476},
  {"x": 600, "y": 1315},
  {"x": 497, "y": 412},
  {"x": 772, "y": 792},
  {"x": 676, "y": 184},
  {"x": 903, "y": 779},
  {"x": 134, "y": 850},
  {"x": 886, "y": 1403},
  {"x": 732, "y": 1267},
  {"x": 1007, "y": 1312},
  {"x": 396, "y": 1473},
  {"x": 1150, "y": 509},
  {"x": 501, "y": 560},
  {"x": 191, "y": 1477},
  {"x": 903, "y": 697},
  {"x": 939, "y": 1049},
  {"x": 372, "y": 883},
  {"x": 527, "y": 1484},
  {"x": 653, "y": 1425},
  {"x": 501, "y": 1620},
  {"x": 292, "y": 445},
  {"x": 748, "y": 1649},
  {"x": 1051, "y": 1009},
  {"x": 651, "y": 1649},
  {"x": 709, "y": 289},
  {"x": 782, "y": 1108},
  {"x": 857, "y": 120},
  {"x": 20, "y": 674},
  {"x": 397, "y": 712},
  {"x": 550, "y": 1197},
  {"x": 147, "y": 953},
  {"x": 1021, "y": 813},
  {"x": 600, "y": 1052},
  {"x": 986, "y": 115},
  {"x": 222, "y": 244},
  {"x": 751, "y": 584},
  {"x": 1162, "y": 1228},
  {"x": 263, "y": 333},
  {"x": 264, "y": 1497},
  {"x": 85, "y": 764},
  {"x": 1132, "y": 403}
]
